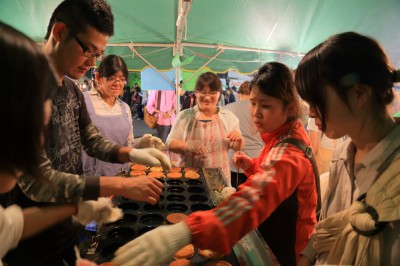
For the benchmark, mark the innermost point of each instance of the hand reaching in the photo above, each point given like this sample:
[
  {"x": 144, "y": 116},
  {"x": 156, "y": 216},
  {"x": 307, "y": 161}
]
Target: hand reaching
[
  {"x": 150, "y": 156},
  {"x": 154, "y": 247},
  {"x": 242, "y": 161},
  {"x": 142, "y": 188},
  {"x": 101, "y": 211},
  {"x": 149, "y": 141}
]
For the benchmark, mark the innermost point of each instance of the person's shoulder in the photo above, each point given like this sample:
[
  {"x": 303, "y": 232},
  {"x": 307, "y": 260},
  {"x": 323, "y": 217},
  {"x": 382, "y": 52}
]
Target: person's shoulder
[
  {"x": 70, "y": 84},
  {"x": 238, "y": 105},
  {"x": 226, "y": 111},
  {"x": 231, "y": 106},
  {"x": 187, "y": 112},
  {"x": 124, "y": 104}
]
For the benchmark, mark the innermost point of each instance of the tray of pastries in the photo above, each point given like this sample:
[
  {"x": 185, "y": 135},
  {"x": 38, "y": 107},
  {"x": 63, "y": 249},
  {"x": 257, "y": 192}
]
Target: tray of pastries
[{"x": 185, "y": 191}]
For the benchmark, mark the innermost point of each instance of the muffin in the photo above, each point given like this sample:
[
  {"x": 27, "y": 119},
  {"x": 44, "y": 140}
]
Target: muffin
[
  {"x": 139, "y": 167},
  {"x": 192, "y": 175},
  {"x": 156, "y": 169},
  {"x": 137, "y": 173},
  {"x": 174, "y": 175},
  {"x": 156, "y": 174},
  {"x": 174, "y": 218},
  {"x": 185, "y": 252}
]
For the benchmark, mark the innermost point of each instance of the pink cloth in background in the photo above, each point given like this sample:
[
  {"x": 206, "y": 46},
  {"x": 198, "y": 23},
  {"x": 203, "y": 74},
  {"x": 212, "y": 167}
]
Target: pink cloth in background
[{"x": 168, "y": 102}]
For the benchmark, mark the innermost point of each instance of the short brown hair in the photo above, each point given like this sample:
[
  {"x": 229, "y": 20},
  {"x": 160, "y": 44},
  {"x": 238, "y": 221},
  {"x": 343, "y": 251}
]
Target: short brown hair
[
  {"x": 244, "y": 88},
  {"x": 209, "y": 79}
]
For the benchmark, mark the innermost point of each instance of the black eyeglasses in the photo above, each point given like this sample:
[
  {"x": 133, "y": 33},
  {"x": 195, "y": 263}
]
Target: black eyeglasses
[
  {"x": 112, "y": 80},
  {"x": 87, "y": 52}
]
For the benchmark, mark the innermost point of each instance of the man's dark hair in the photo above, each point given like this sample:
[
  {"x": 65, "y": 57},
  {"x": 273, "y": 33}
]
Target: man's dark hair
[{"x": 77, "y": 14}]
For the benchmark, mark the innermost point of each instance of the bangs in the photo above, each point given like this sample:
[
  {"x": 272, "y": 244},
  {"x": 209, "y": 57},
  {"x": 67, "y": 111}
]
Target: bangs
[{"x": 309, "y": 83}]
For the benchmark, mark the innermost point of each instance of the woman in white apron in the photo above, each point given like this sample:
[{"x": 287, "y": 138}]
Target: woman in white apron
[{"x": 202, "y": 135}]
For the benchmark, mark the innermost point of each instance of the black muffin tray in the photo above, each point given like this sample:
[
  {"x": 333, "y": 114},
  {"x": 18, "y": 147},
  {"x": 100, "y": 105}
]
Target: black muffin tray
[{"x": 182, "y": 195}]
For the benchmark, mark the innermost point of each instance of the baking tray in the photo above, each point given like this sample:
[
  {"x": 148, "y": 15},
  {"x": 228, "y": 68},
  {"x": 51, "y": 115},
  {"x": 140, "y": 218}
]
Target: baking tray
[{"x": 182, "y": 195}]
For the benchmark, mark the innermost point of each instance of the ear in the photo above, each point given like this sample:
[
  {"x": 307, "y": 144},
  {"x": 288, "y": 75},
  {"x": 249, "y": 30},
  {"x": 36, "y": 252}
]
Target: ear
[
  {"x": 97, "y": 77},
  {"x": 59, "y": 30},
  {"x": 361, "y": 94}
]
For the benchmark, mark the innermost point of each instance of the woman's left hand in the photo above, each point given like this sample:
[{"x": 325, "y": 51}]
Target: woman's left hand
[{"x": 236, "y": 139}]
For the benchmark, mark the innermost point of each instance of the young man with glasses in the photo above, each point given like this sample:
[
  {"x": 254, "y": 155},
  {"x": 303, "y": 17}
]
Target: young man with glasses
[{"x": 77, "y": 35}]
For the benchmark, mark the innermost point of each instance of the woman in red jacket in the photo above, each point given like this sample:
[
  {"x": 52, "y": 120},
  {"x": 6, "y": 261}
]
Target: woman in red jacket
[{"x": 280, "y": 190}]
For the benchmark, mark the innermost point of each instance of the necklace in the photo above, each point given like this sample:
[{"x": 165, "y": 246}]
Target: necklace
[
  {"x": 108, "y": 109},
  {"x": 205, "y": 123},
  {"x": 105, "y": 105}
]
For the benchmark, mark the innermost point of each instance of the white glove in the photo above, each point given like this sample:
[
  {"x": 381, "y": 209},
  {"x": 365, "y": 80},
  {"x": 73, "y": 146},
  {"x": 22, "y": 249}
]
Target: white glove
[
  {"x": 195, "y": 147},
  {"x": 101, "y": 211},
  {"x": 150, "y": 156},
  {"x": 154, "y": 247},
  {"x": 225, "y": 193},
  {"x": 149, "y": 141}
]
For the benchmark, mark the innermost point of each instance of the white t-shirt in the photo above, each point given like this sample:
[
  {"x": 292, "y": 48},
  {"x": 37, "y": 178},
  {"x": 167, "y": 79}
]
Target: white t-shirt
[{"x": 11, "y": 226}]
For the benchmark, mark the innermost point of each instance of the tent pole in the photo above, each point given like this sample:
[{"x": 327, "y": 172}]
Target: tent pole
[
  {"x": 177, "y": 90},
  {"x": 211, "y": 46},
  {"x": 147, "y": 62},
  {"x": 205, "y": 64}
]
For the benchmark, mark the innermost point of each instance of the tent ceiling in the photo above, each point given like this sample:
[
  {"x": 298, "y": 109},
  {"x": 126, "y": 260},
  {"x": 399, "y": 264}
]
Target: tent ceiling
[{"x": 290, "y": 27}]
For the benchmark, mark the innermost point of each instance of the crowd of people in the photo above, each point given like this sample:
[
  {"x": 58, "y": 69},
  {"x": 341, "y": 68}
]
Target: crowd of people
[{"x": 73, "y": 151}]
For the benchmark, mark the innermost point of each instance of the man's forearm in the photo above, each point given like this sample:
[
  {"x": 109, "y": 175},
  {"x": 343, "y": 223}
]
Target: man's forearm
[
  {"x": 123, "y": 154},
  {"x": 110, "y": 185}
]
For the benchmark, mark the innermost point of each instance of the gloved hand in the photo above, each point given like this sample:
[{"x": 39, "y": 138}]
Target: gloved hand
[
  {"x": 150, "y": 156},
  {"x": 149, "y": 141},
  {"x": 225, "y": 193},
  {"x": 242, "y": 161},
  {"x": 154, "y": 247},
  {"x": 101, "y": 211},
  {"x": 195, "y": 147}
]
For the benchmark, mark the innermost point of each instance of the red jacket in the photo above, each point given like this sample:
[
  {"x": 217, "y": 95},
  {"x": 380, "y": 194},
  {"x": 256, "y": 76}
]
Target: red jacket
[{"x": 287, "y": 172}]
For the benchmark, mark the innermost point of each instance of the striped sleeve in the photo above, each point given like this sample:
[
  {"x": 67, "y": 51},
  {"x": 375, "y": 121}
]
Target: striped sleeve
[{"x": 282, "y": 170}]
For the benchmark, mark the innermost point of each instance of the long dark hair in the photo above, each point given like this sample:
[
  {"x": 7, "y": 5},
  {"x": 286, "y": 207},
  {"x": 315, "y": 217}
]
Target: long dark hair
[
  {"x": 27, "y": 81},
  {"x": 341, "y": 62},
  {"x": 277, "y": 80}
]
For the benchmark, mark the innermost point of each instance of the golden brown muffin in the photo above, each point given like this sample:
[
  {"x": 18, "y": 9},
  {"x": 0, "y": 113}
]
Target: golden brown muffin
[
  {"x": 137, "y": 173},
  {"x": 156, "y": 174},
  {"x": 156, "y": 169},
  {"x": 185, "y": 252},
  {"x": 174, "y": 218},
  {"x": 192, "y": 175},
  {"x": 174, "y": 175},
  {"x": 175, "y": 169},
  {"x": 191, "y": 169},
  {"x": 139, "y": 167}
]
